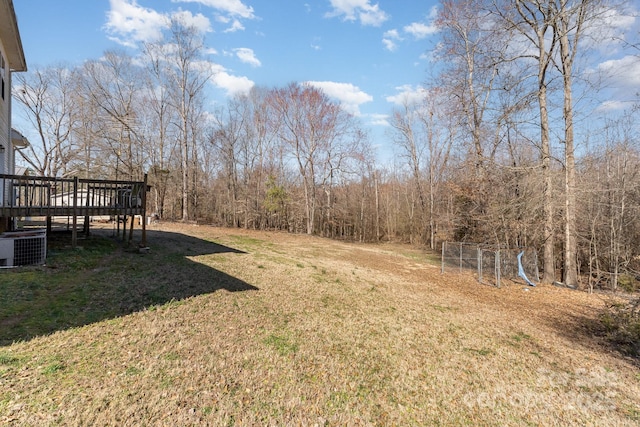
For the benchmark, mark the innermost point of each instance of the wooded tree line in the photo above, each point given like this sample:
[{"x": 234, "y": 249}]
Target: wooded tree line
[{"x": 488, "y": 153}]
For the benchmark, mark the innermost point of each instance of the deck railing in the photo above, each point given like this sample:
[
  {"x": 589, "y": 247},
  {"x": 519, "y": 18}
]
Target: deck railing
[
  {"x": 29, "y": 196},
  {"x": 49, "y": 196}
]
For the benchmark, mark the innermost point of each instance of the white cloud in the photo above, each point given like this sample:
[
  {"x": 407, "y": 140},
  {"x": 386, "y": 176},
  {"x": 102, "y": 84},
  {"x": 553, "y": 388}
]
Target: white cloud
[
  {"x": 230, "y": 7},
  {"x": 350, "y": 96},
  {"x": 613, "y": 23},
  {"x": 236, "y": 26},
  {"x": 247, "y": 56},
  {"x": 390, "y": 45},
  {"x": 229, "y": 11},
  {"x": 622, "y": 73},
  {"x": 206, "y": 67},
  {"x": 221, "y": 78},
  {"x": 362, "y": 10},
  {"x": 373, "y": 16},
  {"x": 407, "y": 94},
  {"x": 614, "y": 19},
  {"x": 620, "y": 80},
  {"x": 392, "y": 34},
  {"x": 379, "y": 119},
  {"x": 611, "y": 28},
  {"x": 128, "y": 23},
  {"x": 389, "y": 39},
  {"x": 419, "y": 30},
  {"x": 198, "y": 21},
  {"x": 612, "y": 105},
  {"x": 232, "y": 85}
]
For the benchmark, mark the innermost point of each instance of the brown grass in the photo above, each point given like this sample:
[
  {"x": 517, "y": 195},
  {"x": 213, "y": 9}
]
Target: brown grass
[{"x": 299, "y": 330}]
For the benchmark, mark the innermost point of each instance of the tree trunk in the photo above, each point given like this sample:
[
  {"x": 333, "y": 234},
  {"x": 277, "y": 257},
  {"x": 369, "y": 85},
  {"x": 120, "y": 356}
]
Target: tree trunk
[
  {"x": 375, "y": 182},
  {"x": 549, "y": 268},
  {"x": 185, "y": 178},
  {"x": 570, "y": 248}
]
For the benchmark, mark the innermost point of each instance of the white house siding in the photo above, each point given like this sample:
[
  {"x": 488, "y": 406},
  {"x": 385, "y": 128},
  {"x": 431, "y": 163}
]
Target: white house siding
[
  {"x": 12, "y": 60},
  {"x": 6, "y": 152}
]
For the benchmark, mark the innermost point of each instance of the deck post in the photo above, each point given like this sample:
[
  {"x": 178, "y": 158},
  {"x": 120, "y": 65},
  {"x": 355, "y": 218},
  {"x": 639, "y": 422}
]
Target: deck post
[
  {"x": 118, "y": 223},
  {"x": 144, "y": 212},
  {"x": 74, "y": 229},
  {"x": 133, "y": 219},
  {"x": 49, "y": 219},
  {"x": 85, "y": 226}
]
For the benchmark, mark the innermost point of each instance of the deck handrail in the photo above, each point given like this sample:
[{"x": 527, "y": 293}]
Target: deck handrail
[
  {"x": 32, "y": 196},
  {"x": 59, "y": 179},
  {"x": 42, "y": 193}
]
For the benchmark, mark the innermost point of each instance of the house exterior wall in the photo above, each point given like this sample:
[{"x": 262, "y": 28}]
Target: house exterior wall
[
  {"x": 11, "y": 60},
  {"x": 6, "y": 148},
  {"x": 5, "y": 111}
]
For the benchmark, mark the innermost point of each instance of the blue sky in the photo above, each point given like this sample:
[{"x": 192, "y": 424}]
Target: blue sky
[{"x": 367, "y": 54}]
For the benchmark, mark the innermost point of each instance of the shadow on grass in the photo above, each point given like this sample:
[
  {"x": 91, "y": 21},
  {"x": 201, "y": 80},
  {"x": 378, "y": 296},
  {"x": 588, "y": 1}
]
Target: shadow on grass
[
  {"x": 102, "y": 280},
  {"x": 593, "y": 332}
]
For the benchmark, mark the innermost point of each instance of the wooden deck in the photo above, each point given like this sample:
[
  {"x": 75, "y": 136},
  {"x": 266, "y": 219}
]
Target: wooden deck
[{"x": 33, "y": 196}]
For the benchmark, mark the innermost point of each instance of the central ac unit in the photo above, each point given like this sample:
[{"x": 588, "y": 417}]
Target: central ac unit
[{"x": 23, "y": 248}]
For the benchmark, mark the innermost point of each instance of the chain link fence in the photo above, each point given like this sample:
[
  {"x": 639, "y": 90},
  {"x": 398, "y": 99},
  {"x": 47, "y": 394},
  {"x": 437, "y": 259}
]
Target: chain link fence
[{"x": 491, "y": 263}]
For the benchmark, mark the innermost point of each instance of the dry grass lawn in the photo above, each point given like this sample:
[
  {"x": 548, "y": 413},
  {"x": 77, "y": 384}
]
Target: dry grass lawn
[{"x": 230, "y": 327}]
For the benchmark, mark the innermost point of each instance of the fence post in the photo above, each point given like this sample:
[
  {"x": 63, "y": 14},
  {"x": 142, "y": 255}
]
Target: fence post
[
  {"x": 442, "y": 259},
  {"x": 144, "y": 212},
  {"x": 460, "y": 266},
  {"x": 133, "y": 217}
]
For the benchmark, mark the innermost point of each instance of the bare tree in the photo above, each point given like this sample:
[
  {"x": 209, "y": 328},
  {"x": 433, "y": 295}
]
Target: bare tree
[
  {"x": 570, "y": 21},
  {"x": 440, "y": 134},
  {"x": 319, "y": 135},
  {"x": 531, "y": 20},
  {"x": 609, "y": 206},
  {"x": 113, "y": 85},
  {"x": 230, "y": 133},
  {"x": 88, "y": 133},
  {"x": 180, "y": 61},
  {"x": 263, "y": 153},
  {"x": 48, "y": 98},
  {"x": 412, "y": 141},
  {"x": 158, "y": 117},
  {"x": 472, "y": 54},
  {"x": 471, "y": 51},
  {"x": 342, "y": 156}
]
